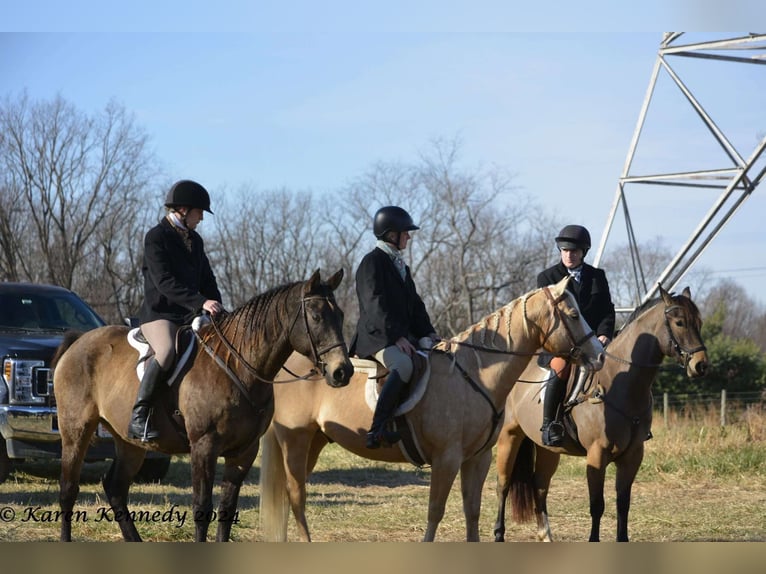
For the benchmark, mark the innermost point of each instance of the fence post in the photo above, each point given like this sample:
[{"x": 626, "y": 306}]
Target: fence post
[
  {"x": 665, "y": 408},
  {"x": 723, "y": 407}
]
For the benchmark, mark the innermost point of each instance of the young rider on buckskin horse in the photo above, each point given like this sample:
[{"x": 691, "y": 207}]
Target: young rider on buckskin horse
[
  {"x": 392, "y": 316},
  {"x": 178, "y": 284},
  {"x": 591, "y": 290}
]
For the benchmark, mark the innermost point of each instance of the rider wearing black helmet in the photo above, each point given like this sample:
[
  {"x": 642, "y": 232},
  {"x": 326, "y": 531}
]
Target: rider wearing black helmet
[
  {"x": 392, "y": 316},
  {"x": 178, "y": 284},
  {"x": 591, "y": 289}
]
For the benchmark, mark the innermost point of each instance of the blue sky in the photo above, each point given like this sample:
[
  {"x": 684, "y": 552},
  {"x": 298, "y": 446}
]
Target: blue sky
[{"x": 308, "y": 101}]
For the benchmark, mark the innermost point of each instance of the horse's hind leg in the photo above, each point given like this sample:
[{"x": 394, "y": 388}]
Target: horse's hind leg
[
  {"x": 116, "y": 483},
  {"x": 234, "y": 473},
  {"x": 301, "y": 453},
  {"x": 473, "y": 473},
  {"x": 508, "y": 444},
  {"x": 546, "y": 463},
  {"x": 74, "y": 446}
]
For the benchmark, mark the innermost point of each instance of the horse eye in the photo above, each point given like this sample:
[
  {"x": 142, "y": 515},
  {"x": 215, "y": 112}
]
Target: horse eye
[{"x": 316, "y": 317}]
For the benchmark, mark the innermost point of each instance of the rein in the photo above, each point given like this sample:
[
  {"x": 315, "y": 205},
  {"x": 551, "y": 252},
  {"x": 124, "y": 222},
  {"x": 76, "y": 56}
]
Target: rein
[
  {"x": 574, "y": 353},
  {"x": 497, "y": 415}
]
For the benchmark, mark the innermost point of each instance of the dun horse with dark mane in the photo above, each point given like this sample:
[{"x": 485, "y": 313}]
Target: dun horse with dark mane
[
  {"x": 607, "y": 423},
  {"x": 455, "y": 422},
  {"x": 225, "y": 400}
]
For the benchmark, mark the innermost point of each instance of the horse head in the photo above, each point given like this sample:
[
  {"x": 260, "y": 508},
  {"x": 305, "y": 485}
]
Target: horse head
[
  {"x": 683, "y": 322},
  {"x": 322, "y": 338},
  {"x": 568, "y": 333}
]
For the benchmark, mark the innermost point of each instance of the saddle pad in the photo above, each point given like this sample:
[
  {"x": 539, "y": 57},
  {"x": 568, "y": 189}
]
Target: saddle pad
[
  {"x": 371, "y": 386},
  {"x": 138, "y": 342}
]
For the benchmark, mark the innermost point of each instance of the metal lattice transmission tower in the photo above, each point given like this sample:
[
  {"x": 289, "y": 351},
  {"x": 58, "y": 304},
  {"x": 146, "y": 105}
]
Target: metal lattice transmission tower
[{"x": 737, "y": 179}]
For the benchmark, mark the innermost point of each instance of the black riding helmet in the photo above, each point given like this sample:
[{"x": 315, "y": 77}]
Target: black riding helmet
[
  {"x": 188, "y": 193},
  {"x": 574, "y": 237},
  {"x": 392, "y": 218}
]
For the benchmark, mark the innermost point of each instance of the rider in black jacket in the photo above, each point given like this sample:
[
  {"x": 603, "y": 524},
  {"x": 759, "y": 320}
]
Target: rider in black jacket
[
  {"x": 178, "y": 284},
  {"x": 591, "y": 289},
  {"x": 392, "y": 316}
]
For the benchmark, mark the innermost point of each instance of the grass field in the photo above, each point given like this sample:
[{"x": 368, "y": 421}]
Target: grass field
[{"x": 698, "y": 482}]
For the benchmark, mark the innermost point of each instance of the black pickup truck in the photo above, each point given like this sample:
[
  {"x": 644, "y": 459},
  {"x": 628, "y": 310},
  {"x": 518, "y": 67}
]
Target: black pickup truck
[{"x": 33, "y": 320}]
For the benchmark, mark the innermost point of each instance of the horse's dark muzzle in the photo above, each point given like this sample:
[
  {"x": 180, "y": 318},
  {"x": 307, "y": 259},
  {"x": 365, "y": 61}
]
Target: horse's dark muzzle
[
  {"x": 342, "y": 375},
  {"x": 701, "y": 368}
]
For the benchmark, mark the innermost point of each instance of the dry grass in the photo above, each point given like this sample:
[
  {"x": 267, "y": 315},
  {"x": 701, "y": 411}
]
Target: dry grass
[{"x": 698, "y": 482}]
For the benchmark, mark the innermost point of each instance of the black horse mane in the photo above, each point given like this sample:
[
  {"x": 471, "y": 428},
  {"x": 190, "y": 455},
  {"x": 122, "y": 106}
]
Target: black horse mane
[{"x": 264, "y": 314}]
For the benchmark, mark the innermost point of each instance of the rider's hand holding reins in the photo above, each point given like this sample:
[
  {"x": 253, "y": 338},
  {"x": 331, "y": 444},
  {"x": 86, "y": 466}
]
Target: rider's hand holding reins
[{"x": 212, "y": 306}]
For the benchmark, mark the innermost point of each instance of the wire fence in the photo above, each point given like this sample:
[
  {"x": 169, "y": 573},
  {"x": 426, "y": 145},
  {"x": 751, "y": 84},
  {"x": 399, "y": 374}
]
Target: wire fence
[{"x": 729, "y": 406}]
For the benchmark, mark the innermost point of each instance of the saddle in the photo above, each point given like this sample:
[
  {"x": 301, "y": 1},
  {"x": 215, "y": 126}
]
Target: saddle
[
  {"x": 579, "y": 389},
  {"x": 376, "y": 376},
  {"x": 186, "y": 345}
]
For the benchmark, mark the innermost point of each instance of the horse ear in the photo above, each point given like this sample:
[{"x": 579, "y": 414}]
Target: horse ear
[
  {"x": 335, "y": 280},
  {"x": 561, "y": 286},
  {"x": 312, "y": 283},
  {"x": 687, "y": 292},
  {"x": 665, "y": 295}
]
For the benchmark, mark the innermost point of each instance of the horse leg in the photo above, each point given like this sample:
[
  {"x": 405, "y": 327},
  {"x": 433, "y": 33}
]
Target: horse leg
[
  {"x": 596, "y": 470},
  {"x": 627, "y": 468},
  {"x": 116, "y": 483},
  {"x": 300, "y": 457},
  {"x": 234, "y": 473},
  {"x": 74, "y": 446},
  {"x": 546, "y": 463},
  {"x": 508, "y": 445},
  {"x": 444, "y": 470},
  {"x": 473, "y": 473},
  {"x": 203, "y": 461}
]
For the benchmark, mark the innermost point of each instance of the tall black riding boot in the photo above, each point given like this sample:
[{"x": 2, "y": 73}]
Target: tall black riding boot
[
  {"x": 553, "y": 430},
  {"x": 139, "y": 427},
  {"x": 384, "y": 410}
]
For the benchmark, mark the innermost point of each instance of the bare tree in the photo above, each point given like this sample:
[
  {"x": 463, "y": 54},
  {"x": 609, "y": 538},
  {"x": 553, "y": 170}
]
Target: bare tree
[{"x": 73, "y": 182}]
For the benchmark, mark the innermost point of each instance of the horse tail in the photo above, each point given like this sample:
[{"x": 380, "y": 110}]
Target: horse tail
[
  {"x": 523, "y": 483},
  {"x": 273, "y": 486},
  {"x": 69, "y": 338}
]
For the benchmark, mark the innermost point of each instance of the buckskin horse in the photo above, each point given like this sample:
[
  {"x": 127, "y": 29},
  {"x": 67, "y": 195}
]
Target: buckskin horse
[
  {"x": 455, "y": 422},
  {"x": 609, "y": 422},
  {"x": 225, "y": 400}
]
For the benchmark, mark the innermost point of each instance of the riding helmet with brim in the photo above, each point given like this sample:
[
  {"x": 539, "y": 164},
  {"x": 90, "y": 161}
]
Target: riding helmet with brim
[
  {"x": 392, "y": 218},
  {"x": 573, "y": 237},
  {"x": 188, "y": 193}
]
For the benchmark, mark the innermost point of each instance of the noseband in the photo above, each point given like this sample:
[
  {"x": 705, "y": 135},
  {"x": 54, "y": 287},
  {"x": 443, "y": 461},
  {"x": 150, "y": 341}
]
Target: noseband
[
  {"x": 316, "y": 353},
  {"x": 576, "y": 351}
]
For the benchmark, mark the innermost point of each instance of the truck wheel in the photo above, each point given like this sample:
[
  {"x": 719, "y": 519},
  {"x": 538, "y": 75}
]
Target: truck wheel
[
  {"x": 5, "y": 462},
  {"x": 154, "y": 469}
]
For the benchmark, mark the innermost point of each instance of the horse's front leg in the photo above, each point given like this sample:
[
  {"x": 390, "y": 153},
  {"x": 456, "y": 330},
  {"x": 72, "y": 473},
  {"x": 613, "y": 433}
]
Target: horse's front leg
[
  {"x": 627, "y": 468},
  {"x": 300, "y": 457},
  {"x": 234, "y": 473},
  {"x": 596, "y": 470},
  {"x": 473, "y": 473},
  {"x": 203, "y": 461},
  {"x": 443, "y": 472}
]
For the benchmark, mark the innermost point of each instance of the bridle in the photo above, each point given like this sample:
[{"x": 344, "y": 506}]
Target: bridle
[
  {"x": 575, "y": 352},
  {"x": 316, "y": 353},
  {"x": 684, "y": 355}
]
